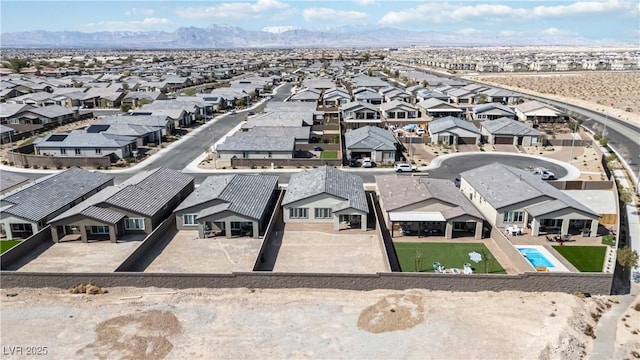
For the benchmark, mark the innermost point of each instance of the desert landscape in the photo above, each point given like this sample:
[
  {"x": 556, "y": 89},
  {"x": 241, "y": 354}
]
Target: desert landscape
[
  {"x": 152, "y": 323},
  {"x": 595, "y": 90}
]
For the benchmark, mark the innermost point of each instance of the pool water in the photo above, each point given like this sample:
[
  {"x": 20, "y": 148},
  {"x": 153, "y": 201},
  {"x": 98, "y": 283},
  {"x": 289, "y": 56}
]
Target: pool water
[{"x": 535, "y": 257}]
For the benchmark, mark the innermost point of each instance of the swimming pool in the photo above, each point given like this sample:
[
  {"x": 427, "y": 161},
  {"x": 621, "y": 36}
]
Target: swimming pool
[{"x": 535, "y": 257}]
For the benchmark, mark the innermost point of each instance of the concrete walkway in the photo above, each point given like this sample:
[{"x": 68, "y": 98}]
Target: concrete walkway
[{"x": 606, "y": 330}]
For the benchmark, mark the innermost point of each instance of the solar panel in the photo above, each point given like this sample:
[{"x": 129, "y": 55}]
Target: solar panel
[
  {"x": 94, "y": 129},
  {"x": 57, "y": 137}
]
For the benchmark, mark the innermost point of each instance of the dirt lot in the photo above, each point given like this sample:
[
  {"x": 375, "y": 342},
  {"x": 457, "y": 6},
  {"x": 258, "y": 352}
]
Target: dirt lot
[
  {"x": 76, "y": 256},
  {"x": 321, "y": 250},
  {"x": 150, "y": 323},
  {"x": 186, "y": 253},
  {"x": 596, "y": 90}
]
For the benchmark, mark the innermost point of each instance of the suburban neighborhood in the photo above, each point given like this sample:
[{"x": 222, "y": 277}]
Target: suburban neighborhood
[{"x": 352, "y": 169}]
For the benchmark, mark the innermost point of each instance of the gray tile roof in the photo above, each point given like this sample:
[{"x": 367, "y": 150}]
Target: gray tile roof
[
  {"x": 146, "y": 120},
  {"x": 45, "y": 197},
  {"x": 535, "y": 105},
  {"x": 298, "y": 132},
  {"x": 398, "y": 191},
  {"x": 502, "y": 186},
  {"x": 506, "y": 126},
  {"x": 397, "y": 104},
  {"x": 370, "y": 137},
  {"x": 246, "y": 195},
  {"x": 247, "y": 141},
  {"x": 104, "y": 215},
  {"x": 151, "y": 191},
  {"x": 84, "y": 140},
  {"x": 450, "y": 122},
  {"x": 327, "y": 180},
  {"x": 123, "y": 129},
  {"x": 491, "y": 106},
  {"x": 51, "y": 111},
  {"x": 431, "y": 103}
]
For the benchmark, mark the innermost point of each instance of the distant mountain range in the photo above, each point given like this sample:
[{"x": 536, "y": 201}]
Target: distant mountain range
[{"x": 226, "y": 36}]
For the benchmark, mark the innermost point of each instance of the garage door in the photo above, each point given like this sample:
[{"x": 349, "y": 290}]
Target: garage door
[
  {"x": 507, "y": 140},
  {"x": 467, "y": 140}
]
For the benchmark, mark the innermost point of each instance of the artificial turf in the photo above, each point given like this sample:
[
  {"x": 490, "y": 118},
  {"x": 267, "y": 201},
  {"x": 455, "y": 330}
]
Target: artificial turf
[
  {"x": 449, "y": 255},
  {"x": 7, "y": 244},
  {"x": 329, "y": 154},
  {"x": 584, "y": 258}
]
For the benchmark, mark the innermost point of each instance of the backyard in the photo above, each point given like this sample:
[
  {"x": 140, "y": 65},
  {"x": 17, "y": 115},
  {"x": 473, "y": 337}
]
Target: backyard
[
  {"x": 584, "y": 258},
  {"x": 329, "y": 154},
  {"x": 7, "y": 244},
  {"x": 420, "y": 257}
]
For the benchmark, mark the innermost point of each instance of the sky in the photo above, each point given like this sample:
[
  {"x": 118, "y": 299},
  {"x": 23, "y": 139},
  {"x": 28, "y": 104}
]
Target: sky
[{"x": 616, "y": 21}]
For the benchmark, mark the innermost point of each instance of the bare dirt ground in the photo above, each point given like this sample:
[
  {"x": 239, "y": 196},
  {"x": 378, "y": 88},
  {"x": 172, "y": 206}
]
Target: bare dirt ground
[
  {"x": 151, "y": 323},
  {"x": 594, "y": 90},
  {"x": 628, "y": 333}
]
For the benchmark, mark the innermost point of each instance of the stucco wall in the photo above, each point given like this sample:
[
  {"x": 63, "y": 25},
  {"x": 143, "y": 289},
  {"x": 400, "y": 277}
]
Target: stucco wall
[{"x": 318, "y": 201}]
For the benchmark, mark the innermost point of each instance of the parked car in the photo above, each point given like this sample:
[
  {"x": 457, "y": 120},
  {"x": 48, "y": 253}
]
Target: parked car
[
  {"x": 405, "y": 168},
  {"x": 232, "y": 112},
  {"x": 317, "y": 148},
  {"x": 419, "y": 131},
  {"x": 353, "y": 163},
  {"x": 367, "y": 163},
  {"x": 251, "y": 113},
  {"x": 544, "y": 174},
  {"x": 456, "y": 182}
]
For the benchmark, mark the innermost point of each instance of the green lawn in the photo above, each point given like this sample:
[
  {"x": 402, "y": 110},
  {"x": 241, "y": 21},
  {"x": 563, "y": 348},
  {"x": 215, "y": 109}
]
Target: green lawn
[
  {"x": 450, "y": 255},
  {"x": 584, "y": 258},
  {"x": 329, "y": 154},
  {"x": 7, "y": 244}
]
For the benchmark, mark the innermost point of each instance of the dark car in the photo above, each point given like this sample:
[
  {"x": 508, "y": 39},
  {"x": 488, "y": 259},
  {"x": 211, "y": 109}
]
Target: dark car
[
  {"x": 317, "y": 148},
  {"x": 251, "y": 113},
  {"x": 457, "y": 182},
  {"x": 353, "y": 163}
]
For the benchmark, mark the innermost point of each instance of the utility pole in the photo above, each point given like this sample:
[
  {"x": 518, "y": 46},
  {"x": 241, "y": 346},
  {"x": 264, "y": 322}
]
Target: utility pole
[{"x": 573, "y": 139}]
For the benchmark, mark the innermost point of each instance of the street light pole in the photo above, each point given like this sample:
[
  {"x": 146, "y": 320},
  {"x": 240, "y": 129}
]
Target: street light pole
[{"x": 573, "y": 140}]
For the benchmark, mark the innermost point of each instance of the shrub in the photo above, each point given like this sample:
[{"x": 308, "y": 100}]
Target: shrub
[
  {"x": 10, "y": 163},
  {"x": 636, "y": 307},
  {"x": 26, "y": 166},
  {"x": 588, "y": 330},
  {"x": 45, "y": 167},
  {"x": 4, "y": 162},
  {"x": 59, "y": 167}
]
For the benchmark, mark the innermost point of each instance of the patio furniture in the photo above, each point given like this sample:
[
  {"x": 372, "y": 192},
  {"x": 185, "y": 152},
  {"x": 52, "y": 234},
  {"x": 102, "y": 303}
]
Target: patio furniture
[
  {"x": 467, "y": 269},
  {"x": 514, "y": 230},
  {"x": 455, "y": 271}
]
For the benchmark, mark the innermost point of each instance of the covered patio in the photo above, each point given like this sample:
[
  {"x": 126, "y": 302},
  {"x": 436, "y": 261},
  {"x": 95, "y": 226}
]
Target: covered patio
[
  {"x": 428, "y": 224},
  {"x": 543, "y": 219}
]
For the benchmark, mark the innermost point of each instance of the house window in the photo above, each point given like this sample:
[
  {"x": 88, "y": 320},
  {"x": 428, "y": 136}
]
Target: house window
[
  {"x": 298, "y": 213},
  {"x": 99, "y": 229},
  {"x": 134, "y": 224},
  {"x": 20, "y": 227},
  {"x": 78, "y": 152},
  {"x": 269, "y": 155},
  {"x": 245, "y": 155},
  {"x": 322, "y": 213},
  {"x": 98, "y": 151},
  {"x": 514, "y": 216},
  {"x": 63, "y": 151},
  {"x": 189, "y": 220}
]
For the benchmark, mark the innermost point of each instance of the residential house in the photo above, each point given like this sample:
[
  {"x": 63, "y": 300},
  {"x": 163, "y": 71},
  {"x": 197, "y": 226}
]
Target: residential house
[
  {"x": 83, "y": 144},
  {"x": 509, "y": 131},
  {"x": 431, "y": 94},
  {"x": 507, "y": 196},
  {"x": 536, "y": 112},
  {"x": 399, "y": 113},
  {"x": 326, "y": 195},
  {"x": 32, "y": 118},
  {"x": 6, "y": 134},
  {"x": 130, "y": 210},
  {"x": 165, "y": 125},
  {"x": 452, "y": 131},
  {"x": 490, "y": 111},
  {"x": 372, "y": 82},
  {"x": 27, "y": 210},
  {"x": 356, "y": 114},
  {"x": 229, "y": 204},
  {"x": 367, "y": 95},
  {"x": 373, "y": 142},
  {"x": 392, "y": 93},
  {"x": 418, "y": 205},
  {"x": 136, "y": 99},
  {"x": 143, "y": 134},
  {"x": 436, "y": 108},
  {"x": 307, "y": 95},
  {"x": 245, "y": 145}
]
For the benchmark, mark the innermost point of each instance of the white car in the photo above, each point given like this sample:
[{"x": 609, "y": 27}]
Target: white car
[
  {"x": 405, "y": 168},
  {"x": 419, "y": 131},
  {"x": 544, "y": 174},
  {"x": 367, "y": 163}
]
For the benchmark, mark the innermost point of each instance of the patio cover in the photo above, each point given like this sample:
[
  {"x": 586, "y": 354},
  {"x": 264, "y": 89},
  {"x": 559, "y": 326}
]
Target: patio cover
[{"x": 416, "y": 216}]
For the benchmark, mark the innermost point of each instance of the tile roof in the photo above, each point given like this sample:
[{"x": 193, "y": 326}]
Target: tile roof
[
  {"x": 370, "y": 137},
  {"x": 502, "y": 186},
  {"x": 47, "y": 196},
  {"x": 246, "y": 195},
  {"x": 398, "y": 191},
  {"x": 9, "y": 180},
  {"x": 247, "y": 141},
  {"x": 506, "y": 126},
  {"x": 327, "y": 180},
  {"x": 83, "y": 140},
  {"x": 450, "y": 122}
]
